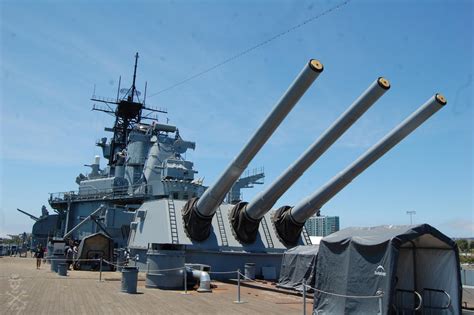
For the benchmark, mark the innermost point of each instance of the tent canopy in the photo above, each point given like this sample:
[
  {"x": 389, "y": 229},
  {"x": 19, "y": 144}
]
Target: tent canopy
[
  {"x": 414, "y": 266},
  {"x": 96, "y": 246},
  {"x": 422, "y": 235},
  {"x": 298, "y": 263}
]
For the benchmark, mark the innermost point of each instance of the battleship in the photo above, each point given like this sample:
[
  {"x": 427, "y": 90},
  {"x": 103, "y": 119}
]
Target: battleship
[
  {"x": 148, "y": 200},
  {"x": 149, "y": 203}
]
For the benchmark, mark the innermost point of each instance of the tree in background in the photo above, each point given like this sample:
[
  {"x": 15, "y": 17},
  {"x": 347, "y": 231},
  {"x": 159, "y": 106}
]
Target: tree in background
[{"x": 463, "y": 245}]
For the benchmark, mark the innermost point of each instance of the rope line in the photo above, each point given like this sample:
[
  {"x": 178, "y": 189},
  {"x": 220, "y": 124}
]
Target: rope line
[
  {"x": 245, "y": 277},
  {"x": 346, "y": 296},
  {"x": 116, "y": 265},
  {"x": 178, "y": 268},
  {"x": 251, "y": 48},
  {"x": 171, "y": 269},
  {"x": 221, "y": 272},
  {"x": 64, "y": 259}
]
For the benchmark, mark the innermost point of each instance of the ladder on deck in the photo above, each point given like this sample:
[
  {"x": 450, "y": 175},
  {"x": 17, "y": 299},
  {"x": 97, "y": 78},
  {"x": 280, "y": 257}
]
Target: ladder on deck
[
  {"x": 173, "y": 223},
  {"x": 306, "y": 236},
  {"x": 266, "y": 231},
  {"x": 220, "y": 223}
]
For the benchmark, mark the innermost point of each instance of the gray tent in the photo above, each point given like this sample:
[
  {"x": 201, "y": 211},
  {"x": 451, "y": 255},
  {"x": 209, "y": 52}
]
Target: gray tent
[
  {"x": 94, "y": 246},
  {"x": 298, "y": 263},
  {"x": 416, "y": 267}
]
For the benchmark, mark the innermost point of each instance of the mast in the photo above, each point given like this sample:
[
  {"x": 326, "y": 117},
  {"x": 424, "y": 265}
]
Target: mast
[
  {"x": 128, "y": 113},
  {"x": 134, "y": 76}
]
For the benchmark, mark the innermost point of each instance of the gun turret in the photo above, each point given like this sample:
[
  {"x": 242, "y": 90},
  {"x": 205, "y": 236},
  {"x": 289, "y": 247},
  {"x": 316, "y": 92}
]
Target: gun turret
[
  {"x": 289, "y": 221},
  {"x": 198, "y": 213},
  {"x": 245, "y": 218}
]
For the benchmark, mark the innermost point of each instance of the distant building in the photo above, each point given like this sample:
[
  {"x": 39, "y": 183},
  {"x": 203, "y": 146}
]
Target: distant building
[{"x": 322, "y": 226}]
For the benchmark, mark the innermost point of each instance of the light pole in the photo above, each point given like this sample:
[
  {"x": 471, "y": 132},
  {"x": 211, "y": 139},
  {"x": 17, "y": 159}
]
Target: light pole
[{"x": 411, "y": 214}]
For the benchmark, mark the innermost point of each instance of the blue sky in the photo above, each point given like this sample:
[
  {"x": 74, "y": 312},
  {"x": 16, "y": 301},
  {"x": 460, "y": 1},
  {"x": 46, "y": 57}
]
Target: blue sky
[{"x": 53, "y": 52}]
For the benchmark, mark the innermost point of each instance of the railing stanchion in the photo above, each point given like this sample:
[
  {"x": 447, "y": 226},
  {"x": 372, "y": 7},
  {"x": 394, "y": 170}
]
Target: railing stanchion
[
  {"x": 100, "y": 269},
  {"x": 185, "y": 281},
  {"x": 238, "y": 285},
  {"x": 304, "y": 296},
  {"x": 238, "y": 288},
  {"x": 380, "y": 294}
]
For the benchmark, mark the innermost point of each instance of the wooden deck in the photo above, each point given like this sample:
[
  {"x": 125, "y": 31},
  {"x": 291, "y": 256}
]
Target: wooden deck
[{"x": 26, "y": 290}]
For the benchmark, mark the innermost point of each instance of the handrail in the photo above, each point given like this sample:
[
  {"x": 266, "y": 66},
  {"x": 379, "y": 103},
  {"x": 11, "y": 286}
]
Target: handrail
[
  {"x": 107, "y": 192},
  {"x": 379, "y": 294},
  {"x": 420, "y": 299},
  {"x": 439, "y": 291}
]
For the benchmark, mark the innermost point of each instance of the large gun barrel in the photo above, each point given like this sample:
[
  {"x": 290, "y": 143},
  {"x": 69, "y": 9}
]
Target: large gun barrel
[
  {"x": 245, "y": 218},
  {"x": 289, "y": 222},
  {"x": 198, "y": 213},
  {"x": 267, "y": 199},
  {"x": 30, "y": 215}
]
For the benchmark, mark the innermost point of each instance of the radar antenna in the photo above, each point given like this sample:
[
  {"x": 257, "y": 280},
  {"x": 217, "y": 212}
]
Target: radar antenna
[{"x": 128, "y": 113}]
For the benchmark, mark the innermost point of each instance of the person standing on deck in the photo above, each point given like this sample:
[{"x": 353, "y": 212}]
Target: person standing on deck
[
  {"x": 69, "y": 256},
  {"x": 39, "y": 255},
  {"x": 75, "y": 250}
]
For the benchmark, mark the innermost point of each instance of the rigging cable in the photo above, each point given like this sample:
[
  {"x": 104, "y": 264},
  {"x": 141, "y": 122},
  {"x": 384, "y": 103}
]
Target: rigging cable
[{"x": 250, "y": 49}]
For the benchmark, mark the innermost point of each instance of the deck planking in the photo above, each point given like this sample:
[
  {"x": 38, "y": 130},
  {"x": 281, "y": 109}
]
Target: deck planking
[{"x": 44, "y": 292}]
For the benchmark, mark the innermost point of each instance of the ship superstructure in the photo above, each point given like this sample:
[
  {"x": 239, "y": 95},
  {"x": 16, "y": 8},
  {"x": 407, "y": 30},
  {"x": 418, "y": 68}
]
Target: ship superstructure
[{"x": 145, "y": 161}]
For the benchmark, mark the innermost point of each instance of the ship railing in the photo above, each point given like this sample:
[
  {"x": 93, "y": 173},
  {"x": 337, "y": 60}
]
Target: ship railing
[
  {"x": 253, "y": 172},
  {"x": 92, "y": 193}
]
